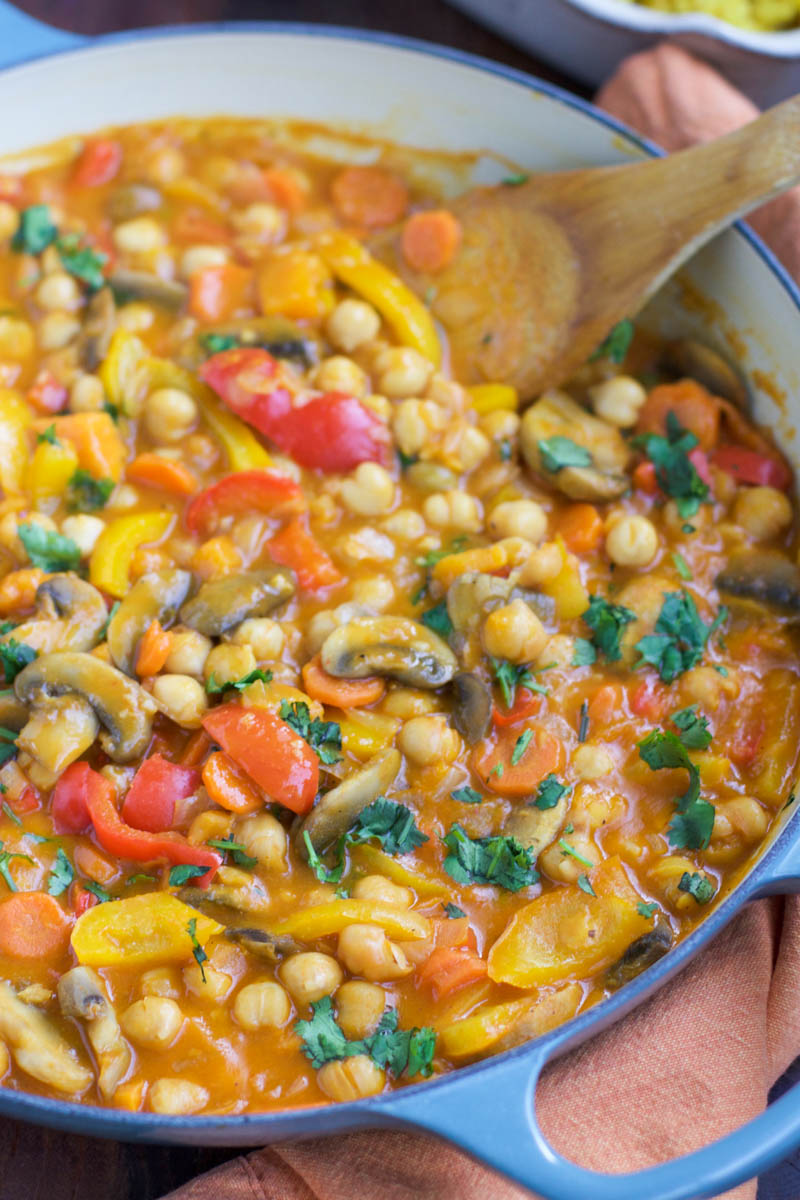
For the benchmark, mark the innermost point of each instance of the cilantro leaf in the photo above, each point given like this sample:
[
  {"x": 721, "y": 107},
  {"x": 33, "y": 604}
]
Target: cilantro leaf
[
  {"x": 48, "y": 436},
  {"x": 515, "y": 180},
  {"x": 434, "y": 556},
  {"x": 438, "y": 619},
  {"x": 467, "y": 795},
  {"x": 681, "y": 565},
  {"x": 559, "y": 452},
  {"x": 237, "y": 851},
  {"x": 607, "y": 621},
  {"x": 61, "y": 875},
  {"x": 697, "y": 885},
  {"x": 323, "y": 1040},
  {"x": 184, "y": 872},
  {"x": 616, "y": 345},
  {"x": 215, "y": 343},
  {"x": 255, "y": 676},
  {"x": 584, "y": 653},
  {"x": 87, "y": 494},
  {"x": 324, "y": 873},
  {"x": 509, "y": 677},
  {"x": 583, "y": 728},
  {"x": 323, "y": 736},
  {"x": 9, "y": 812},
  {"x": 694, "y": 731},
  {"x": 585, "y": 885},
  {"x": 675, "y": 471},
  {"x": 691, "y": 826},
  {"x": 14, "y": 656},
  {"x": 83, "y": 262},
  {"x": 520, "y": 746},
  {"x": 49, "y": 550},
  {"x": 646, "y": 910},
  {"x": 549, "y": 793},
  {"x": 573, "y": 853},
  {"x": 389, "y": 1047},
  {"x": 199, "y": 953},
  {"x": 453, "y": 912},
  {"x": 679, "y": 637},
  {"x": 5, "y": 858},
  {"x": 391, "y": 824},
  {"x": 36, "y": 230},
  {"x": 500, "y": 861},
  {"x": 102, "y": 895}
]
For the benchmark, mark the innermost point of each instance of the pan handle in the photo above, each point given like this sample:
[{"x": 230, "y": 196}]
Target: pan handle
[
  {"x": 23, "y": 38},
  {"x": 491, "y": 1114}
]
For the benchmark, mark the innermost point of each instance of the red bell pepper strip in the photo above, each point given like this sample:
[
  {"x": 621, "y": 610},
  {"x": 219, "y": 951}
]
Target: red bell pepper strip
[
  {"x": 748, "y": 466},
  {"x": 243, "y": 492},
  {"x": 269, "y": 750},
  {"x": 99, "y": 163},
  {"x": 68, "y": 802},
  {"x": 526, "y": 704},
  {"x": 332, "y": 432},
  {"x": 123, "y": 841},
  {"x": 156, "y": 787},
  {"x": 297, "y": 548}
]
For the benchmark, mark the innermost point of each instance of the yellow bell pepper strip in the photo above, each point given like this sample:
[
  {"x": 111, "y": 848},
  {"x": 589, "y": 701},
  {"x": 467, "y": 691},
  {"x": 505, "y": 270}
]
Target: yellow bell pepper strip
[
  {"x": 353, "y": 264},
  {"x": 378, "y": 863},
  {"x": 493, "y": 397},
  {"x": 321, "y": 920},
  {"x": 142, "y": 930},
  {"x": 566, "y": 589},
  {"x": 121, "y": 372},
  {"x": 15, "y": 419},
  {"x": 109, "y": 565},
  {"x": 501, "y": 1026},
  {"x": 96, "y": 439},
  {"x": 50, "y": 470},
  {"x": 365, "y": 733}
]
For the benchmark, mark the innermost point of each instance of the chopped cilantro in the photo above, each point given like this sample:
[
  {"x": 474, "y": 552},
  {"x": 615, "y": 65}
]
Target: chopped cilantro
[
  {"x": 237, "y": 851},
  {"x": 681, "y": 565},
  {"x": 184, "y": 872},
  {"x": 585, "y": 885},
  {"x": 646, "y": 910},
  {"x": 616, "y": 345},
  {"x": 607, "y": 621},
  {"x": 102, "y": 895},
  {"x": 215, "y": 343},
  {"x": 409, "y": 1051},
  {"x": 509, "y": 677},
  {"x": 687, "y": 528},
  {"x": 87, "y": 494},
  {"x": 573, "y": 853},
  {"x": 691, "y": 826},
  {"x": 694, "y": 731},
  {"x": 453, "y": 912},
  {"x": 675, "y": 471},
  {"x": 36, "y": 230},
  {"x": 112, "y": 612},
  {"x": 558, "y": 452},
  {"x": 584, "y": 653},
  {"x": 323, "y": 736},
  {"x": 723, "y": 671},
  {"x": 14, "y": 656},
  {"x": 391, "y": 824},
  {"x": 82, "y": 262},
  {"x": 583, "y": 728},
  {"x": 12, "y": 816},
  {"x": 434, "y": 556},
  {"x": 49, "y": 550},
  {"x": 112, "y": 410},
  {"x": 61, "y": 875},
  {"x": 697, "y": 885},
  {"x": 679, "y": 638},
  {"x": 255, "y": 676},
  {"x": 438, "y": 619},
  {"x": 497, "y": 770},
  {"x": 324, "y": 873},
  {"x": 199, "y": 953},
  {"x": 5, "y": 858},
  {"x": 520, "y": 746},
  {"x": 549, "y": 793},
  {"x": 500, "y": 861},
  {"x": 467, "y": 795},
  {"x": 48, "y": 436},
  {"x": 515, "y": 180}
]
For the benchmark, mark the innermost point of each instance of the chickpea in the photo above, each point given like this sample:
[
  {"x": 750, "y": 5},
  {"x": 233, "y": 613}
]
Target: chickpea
[
  {"x": 188, "y": 652},
  {"x": 415, "y": 424},
  {"x": 500, "y": 424},
  {"x": 139, "y": 236},
  {"x": 212, "y": 823},
  {"x": 17, "y": 339},
  {"x": 340, "y": 374},
  {"x": 310, "y": 976},
  {"x": 518, "y": 518},
  {"x": 402, "y": 372},
  {"x": 618, "y": 400},
  {"x": 377, "y": 592},
  {"x": 455, "y": 509},
  {"x": 165, "y": 165},
  {"x": 9, "y": 220},
  {"x": 262, "y": 1005},
  {"x": 207, "y": 983},
  {"x": 366, "y": 950},
  {"x": 382, "y": 891},
  {"x": 407, "y": 702},
  {"x": 562, "y": 866},
  {"x": 182, "y": 698},
  {"x": 57, "y": 329},
  {"x": 745, "y": 815},
  {"x": 514, "y": 632},
  {"x": 160, "y": 981},
  {"x": 176, "y": 1097},
  {"x": 466, "y": 447},
  {"x": 706, "y": 687},
  {"x": 264, "y": 838},
  {"x": 351, "y": 324},
  {"x": 405, "y": 524},
  {"x": 379, "y": 405},
  {"x": 135, "y": 317},
  {"x": 169, "y": 414},
  {"x": 153, "y": 1022},
  {"x": 265, "y": 637},
  {"x": 632, "y": 541},
  {"x": 359, "y": 1007},
  {"x": 351, "y": 1078},
  {"x": 763, "y": 512},
  {"x": 542, "y": 565},
  {"x": 83, "y": 530},
  {"x": 197, "y": 258},
  {"x": 123, "y": 496},
  {"x": 368, "y": 490},
  {"x": 58, "y": 291},
  {"x": 87, "y": 394},
  {"x": 262, "y": 222},
  {"x": 228, "y": 662},
  {"x": 428, "y": 739},
  {"x": 592, "y": 762},
  {"x": 559, "y": 651}
]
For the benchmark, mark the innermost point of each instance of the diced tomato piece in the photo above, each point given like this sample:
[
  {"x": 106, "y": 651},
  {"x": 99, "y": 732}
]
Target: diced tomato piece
[
  {"x": 526, "y": 704},
  {"x": 650, "y": 698},
  {"x": 99, "y": 163},
  {"x": 156, "y": 788}
]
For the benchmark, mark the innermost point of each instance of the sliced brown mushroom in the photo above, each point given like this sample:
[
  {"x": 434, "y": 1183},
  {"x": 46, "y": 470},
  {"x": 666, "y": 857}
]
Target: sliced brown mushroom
[
  {"x": 122, "y": 707},
  {"x": 534, "y": 828},
  {"x": 545, "y": 1013},
  {"x": 763, "y": 578},
  {"x": 694, "y": 360},
  {"x": 557, "y": 415},
  {"x": 82, "y": 995},
  {"x": 13, "y": 713},
  {"x": 156, "y": 596},
  {"x": 131, "y": 200},
  {"x": 97, "y": 329},
  {"x": 222, "y": 603},
  {"x": 270, "y": 946},
  {"x": 276, "y": 334},
  {"x": 70, "y": 616},
  {"x": 38, "y": 1048},
  {"x": 472, "y": 706},
  {"x": 472, "y": 595},
  {"x": 337, "y": 809},
  {"x": 59, "y": 730},
  {"x": 396, "y": 646},
  {"x": 640, "y": 955},
  {"x": 142, "y": 285},
  {"x": 251, "y": 899}
]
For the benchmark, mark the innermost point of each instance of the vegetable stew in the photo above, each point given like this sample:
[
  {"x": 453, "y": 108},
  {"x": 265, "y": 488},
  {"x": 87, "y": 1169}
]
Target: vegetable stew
[{"x": 354, "y": 724}]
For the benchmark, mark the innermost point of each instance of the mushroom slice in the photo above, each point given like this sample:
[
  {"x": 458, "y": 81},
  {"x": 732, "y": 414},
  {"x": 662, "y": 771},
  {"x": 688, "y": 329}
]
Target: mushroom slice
[
  {"x": 396, "y": 646},
  {"x": 472, "y": 707},
  {"x": 275, "y": 334},
  {"x": 59, "y": 730},
  {"x": 13, "y": 713},
  {"x": 640, "y": 955},
  {"x": 79, "y": 606},
  {"x": 556, "y": 415},
  {"x": 240, "y": 899},
  {"x": 122, "y": 707},
  {"x": 471, "y": 595},
  {"x": 37, "y": 1047},
  {"x": 222, "y": 603},
  {"x": 534, "y": 828},
  {"x": 270, "y": 946},
  {"x": 131, "y": 200},
  {"x": 338, "y": 808},
  {"x": 156, "y": 596},
  {"x": 693, "y": 359},
  {"x": 82, "y": 995},
  {"x": 762, "y": 577},
  {"x": 142, "y": 285},
  {"x": 99, "y": 323}
]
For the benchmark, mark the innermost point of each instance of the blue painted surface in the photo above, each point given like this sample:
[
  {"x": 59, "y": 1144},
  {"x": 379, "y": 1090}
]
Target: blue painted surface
[{"x": 487, "y": 1108}]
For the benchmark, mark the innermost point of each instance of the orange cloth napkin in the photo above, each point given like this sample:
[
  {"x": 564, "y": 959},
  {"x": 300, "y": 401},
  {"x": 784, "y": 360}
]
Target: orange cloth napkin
[{"x": 699, "y": 1058}]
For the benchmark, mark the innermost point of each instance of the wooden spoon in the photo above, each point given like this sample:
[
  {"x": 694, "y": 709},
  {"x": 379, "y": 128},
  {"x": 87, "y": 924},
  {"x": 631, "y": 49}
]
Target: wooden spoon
[{"x": 546, "y": 268}]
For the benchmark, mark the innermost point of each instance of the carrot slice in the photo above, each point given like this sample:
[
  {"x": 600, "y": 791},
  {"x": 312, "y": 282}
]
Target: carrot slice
[
  {"x": 153, "y": 650},
  {"x": 512, "y": 763},
  {"x": 229, "y": 787},
  {"x": 581, "y": 527},
  {"x": 695, "y": 408},
  {"x": 193, "y": 225},
  {"x": 215, "y": 293},
  {"x": 32, "y": 925},
  {"x": 151, "y": 470},
  {"x": 195, "y": 749},
  {"x": 644, "y": 478},
  {"x": 369, "y": 196},
  {"x": 430, "y": 240},
  {"x": 341, "y": 693},
  {"x": 287, "y": 186},
  {"x": 447, "y": 969},
  {"x": 296, "y": 547}
]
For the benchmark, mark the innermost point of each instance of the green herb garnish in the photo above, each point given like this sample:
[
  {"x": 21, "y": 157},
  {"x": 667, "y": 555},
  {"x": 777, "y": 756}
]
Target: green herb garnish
[
  {"x": 607, "y": 622},
  {"x": 199, "y": 953},
  {"x": 681, "y": 565},
  {"x": 183, "y": 872},
  {"x": 35, "y": 232},
  {"x": 396, "y": 1050},
  {"x": 515, "y": 180},
  {"x": 679, "y": 637},
  {"x": 691, "y": 826},
  {"x": 585, "y": 885},
  {"x": 255, "y": 676},
  {"x": 697, "y": 885},
  {"x": 438, "y": 619},
  {"x": 61, "y": 875},
  {"x": 389, "y": 823},
  {"x": 500, "y": 861},
  {"x": 453, "y": 912},
  {"x": 325, "y": 737},
  {"x": 557, "y": 452},
  {"x": 584, "y": 653},
  {"x": 583, "y": 728},
  {"x": 87, "y": 494},
  {"x": 549, "y": 793},
  {"x": 50, "y": 551},
  {"x": 467, "y": 795},
  {"x": 616, "y": 345},
  {"x": 646, "y": 910},
  {"x": 573, "y": 853},
  {"x": 102, "y": 895},
  {"x": 48, "y": 436},
  {"x": 82, "y": 262},
  {"x": 237, "y": 851},
  {"x": 675, "y": 471},
  {"x": 14, "y": 656}
]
